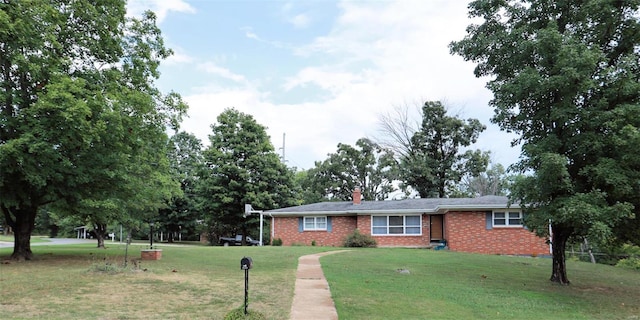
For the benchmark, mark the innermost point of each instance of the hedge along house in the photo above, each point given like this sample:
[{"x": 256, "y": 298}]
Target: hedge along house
[{"x": 480, "y": 225}]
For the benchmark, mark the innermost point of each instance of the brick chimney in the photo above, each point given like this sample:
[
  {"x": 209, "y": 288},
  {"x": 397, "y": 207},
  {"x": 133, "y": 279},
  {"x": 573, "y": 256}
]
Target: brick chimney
[{"x": 357, "y": 195}]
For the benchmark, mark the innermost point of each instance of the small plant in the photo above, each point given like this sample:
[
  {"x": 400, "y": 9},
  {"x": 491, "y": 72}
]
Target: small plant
[
  {"x": 313, "y": 243},
  {"x": 277, "y": 242},
  {"x": 629, "y": 263},
  {"x": 357, "y": 239},
  {"x": 238, "y": 314},
  {"x": 108, "y": 267}
]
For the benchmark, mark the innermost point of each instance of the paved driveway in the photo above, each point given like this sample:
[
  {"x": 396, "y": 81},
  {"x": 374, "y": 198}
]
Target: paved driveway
[{"x": 52, "y": 241}]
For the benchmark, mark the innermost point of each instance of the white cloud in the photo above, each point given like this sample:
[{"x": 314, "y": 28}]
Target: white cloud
[
  {"x": 249, "y": 33},
  {"x": 390, "y": 52},
  {"x": 300, "y": 20},
  {"x": 178, "y": 57},
  {"x": 376, "y": 55},
  {"x": 160, "y": 7},
  {"x": 225, "y": 73}
]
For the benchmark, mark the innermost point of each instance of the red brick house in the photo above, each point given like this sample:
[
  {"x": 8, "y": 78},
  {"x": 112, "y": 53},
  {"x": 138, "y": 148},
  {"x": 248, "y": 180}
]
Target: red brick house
[{"x": 481, "y": 225}]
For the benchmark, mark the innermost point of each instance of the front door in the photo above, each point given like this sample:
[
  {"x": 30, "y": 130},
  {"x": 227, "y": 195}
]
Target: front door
[{"x": 436, "y": 228}]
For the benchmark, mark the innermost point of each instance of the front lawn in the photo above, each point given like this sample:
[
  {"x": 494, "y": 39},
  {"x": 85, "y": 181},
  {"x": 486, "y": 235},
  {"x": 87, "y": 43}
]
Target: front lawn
[
  {"x": 425, "y": 284},
  {"x": 195, "y": 282}
]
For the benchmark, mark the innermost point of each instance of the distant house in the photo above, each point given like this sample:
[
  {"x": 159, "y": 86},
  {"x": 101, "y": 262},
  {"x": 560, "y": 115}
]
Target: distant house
[{"x": 480, "y": 225}]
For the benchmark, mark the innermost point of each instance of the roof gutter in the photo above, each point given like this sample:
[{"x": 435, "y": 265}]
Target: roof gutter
[{"x": 438, "y": 210}]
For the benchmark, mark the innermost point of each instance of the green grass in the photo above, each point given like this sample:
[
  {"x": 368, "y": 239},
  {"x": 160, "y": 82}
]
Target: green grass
[
  {"x": 196, "y": 282},
  {"x": 67, "y": 282},
  {"x": 366, "y": 284}
]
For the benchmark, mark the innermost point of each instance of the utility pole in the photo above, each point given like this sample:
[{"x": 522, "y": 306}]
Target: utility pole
[{"x": 283, "y": 139}]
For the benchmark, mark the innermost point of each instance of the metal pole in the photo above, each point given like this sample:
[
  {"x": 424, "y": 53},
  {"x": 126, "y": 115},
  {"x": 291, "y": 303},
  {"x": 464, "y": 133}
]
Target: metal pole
[
  {"x": 151, "y": 236},
  {"x": 246, "y": 290},
  {"x": 261, "y": 223}
]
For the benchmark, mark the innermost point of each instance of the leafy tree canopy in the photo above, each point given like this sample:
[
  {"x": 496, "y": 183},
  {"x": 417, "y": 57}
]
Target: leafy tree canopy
[
  {"x": 565, "y": 77},
  {"x": 186, "y": 161},
  {"x": 368, "y": 166},
  {"x": 78, "y": 109},
  {"x": 435, "y": 162},
  {"x": 493, "y": 181},
  {"x": 241, "y": 167}
]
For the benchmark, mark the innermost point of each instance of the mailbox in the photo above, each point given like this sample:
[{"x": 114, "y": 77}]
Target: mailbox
[{"x": 246, "y": 263}]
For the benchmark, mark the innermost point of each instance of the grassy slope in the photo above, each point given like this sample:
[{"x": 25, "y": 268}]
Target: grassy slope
[{"x": 366, "y": 284}]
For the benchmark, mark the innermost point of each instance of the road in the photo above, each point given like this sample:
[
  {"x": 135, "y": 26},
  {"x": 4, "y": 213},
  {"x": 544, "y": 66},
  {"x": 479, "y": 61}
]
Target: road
[{"x": 52, "y": 241}]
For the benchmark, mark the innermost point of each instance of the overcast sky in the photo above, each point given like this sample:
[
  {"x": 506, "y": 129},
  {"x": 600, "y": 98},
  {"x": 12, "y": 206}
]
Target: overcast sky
[{"x": 320, "y": 71}]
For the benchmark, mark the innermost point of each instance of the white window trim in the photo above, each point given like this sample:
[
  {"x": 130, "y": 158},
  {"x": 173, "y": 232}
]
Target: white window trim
[
  {"x": 506, "y": 219},
  {"x": 404, "y": 226},
  {"x": 315, "y": 223}
]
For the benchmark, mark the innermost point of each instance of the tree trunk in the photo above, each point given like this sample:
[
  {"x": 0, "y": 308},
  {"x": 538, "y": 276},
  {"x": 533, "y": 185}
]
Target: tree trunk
[
  {"x": 22, "y": 223},
  {"x": 100, "y": 229},
  {"x": 559, "y": 243},
  {"x": 170, "y": 237}
]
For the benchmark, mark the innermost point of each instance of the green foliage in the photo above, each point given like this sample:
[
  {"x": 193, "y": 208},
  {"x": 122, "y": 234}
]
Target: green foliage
[
  {"x": 185, "y": 161},
  {"x": 83, "y": 125},
  {"x": 277, "y": 242},
  {"x": 565, "y": 79},
  {"x": 359, "y": 240},
  {"x": 238, "y": 314},
  {"x": 434, "y": 163},
  {"x": 629, "y": 263},
  {"x": 367, "y": 166},
  {"x": 241, "y": 167},
  {"x": 494, "y": 181}
]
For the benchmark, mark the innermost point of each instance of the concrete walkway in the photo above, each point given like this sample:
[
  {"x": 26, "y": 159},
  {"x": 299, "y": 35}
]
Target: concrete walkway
[{"x": 312, "y": 297}]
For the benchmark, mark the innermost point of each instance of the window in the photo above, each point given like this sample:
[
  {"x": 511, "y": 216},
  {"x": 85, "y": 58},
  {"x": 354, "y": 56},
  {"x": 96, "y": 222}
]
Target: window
[
  {"x": 315, "y": 223},
  {"x": 507, "y": 219},
  {"x": 396, "y": 225}
]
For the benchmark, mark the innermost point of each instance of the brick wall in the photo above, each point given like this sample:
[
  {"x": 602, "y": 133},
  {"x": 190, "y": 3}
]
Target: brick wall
[
  {"x": 466, "y": 232},
  {"x": 286, "y": 228}
]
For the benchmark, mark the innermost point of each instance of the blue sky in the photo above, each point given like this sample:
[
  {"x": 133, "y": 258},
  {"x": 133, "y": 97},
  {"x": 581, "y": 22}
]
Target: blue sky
[{"x": 323, "y": 72}]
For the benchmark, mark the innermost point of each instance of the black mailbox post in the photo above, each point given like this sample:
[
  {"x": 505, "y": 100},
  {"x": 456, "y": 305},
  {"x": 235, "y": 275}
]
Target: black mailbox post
[{"x": 246, "y": 263}]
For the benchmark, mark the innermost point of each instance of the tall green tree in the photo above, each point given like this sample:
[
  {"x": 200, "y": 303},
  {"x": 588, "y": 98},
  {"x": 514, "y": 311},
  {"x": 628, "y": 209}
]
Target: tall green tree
[
  {"x": 494, "y": 181},
  {"x": 565, "y": 77},
  {"x": 78, "y": 107},
  {"x": 241, "y": 167},
  {"x": 186, "y": 160},
  {"x": 367, "y": 165},
  {"x": 435, "y": 163}
]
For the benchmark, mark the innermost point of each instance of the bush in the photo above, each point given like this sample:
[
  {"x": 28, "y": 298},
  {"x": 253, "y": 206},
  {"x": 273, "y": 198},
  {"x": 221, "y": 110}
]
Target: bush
[
  {"x": 238, "y": 314},
  {"x": 630, "y": 263},
  {"x": 359, "y": 240},
  {"x": 277, "y": 242}
]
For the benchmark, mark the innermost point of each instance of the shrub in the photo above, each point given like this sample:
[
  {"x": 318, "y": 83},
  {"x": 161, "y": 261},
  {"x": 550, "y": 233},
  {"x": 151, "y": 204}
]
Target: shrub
[
  {"x": 277, "y": 242},
  {"x": 357, "y": 239},
  {"x": 238, "y": 314},
  {"x": 629, "y": 263},
  {"x": 313, "y": 243}
]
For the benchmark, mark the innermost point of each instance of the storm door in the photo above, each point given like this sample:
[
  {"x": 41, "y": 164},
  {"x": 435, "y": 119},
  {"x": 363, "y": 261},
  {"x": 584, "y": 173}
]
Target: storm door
[{"x": 436, "y": 227}]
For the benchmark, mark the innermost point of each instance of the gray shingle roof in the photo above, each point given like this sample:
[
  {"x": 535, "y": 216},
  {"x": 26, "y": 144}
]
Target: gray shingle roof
[{"x": 429, "y": 205}]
